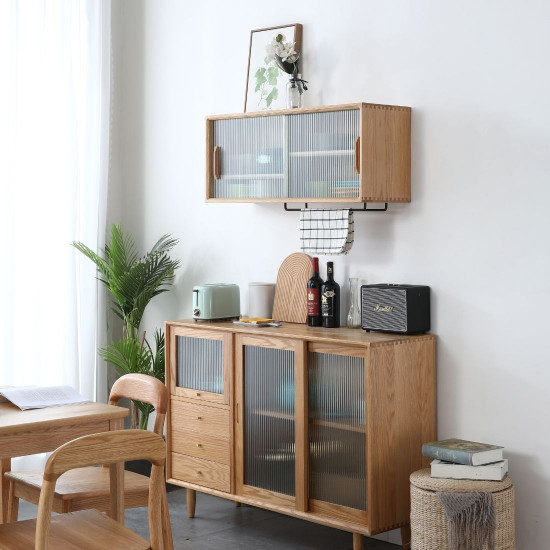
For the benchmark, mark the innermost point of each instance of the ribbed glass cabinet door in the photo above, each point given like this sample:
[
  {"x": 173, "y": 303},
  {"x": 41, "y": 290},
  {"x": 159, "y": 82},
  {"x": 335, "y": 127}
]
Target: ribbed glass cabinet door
[
  {"x": 337, "y": 434},
  {"x": 200, "y": 360},
  {"x": 268, "y": 417},
  {"x": 249, "y": 156},
  {"x": 200, "y": 364},
  {"x": 322, "y": 154}
]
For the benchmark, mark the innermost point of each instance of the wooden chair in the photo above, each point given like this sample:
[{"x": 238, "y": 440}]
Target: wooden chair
[
  {"x": 87, "y": 488},
  {"x": 90, "y": 529}
]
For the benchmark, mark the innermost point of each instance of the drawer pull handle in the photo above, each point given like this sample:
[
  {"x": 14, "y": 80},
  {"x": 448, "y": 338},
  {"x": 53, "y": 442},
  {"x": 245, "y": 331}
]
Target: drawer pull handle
[
  {"x": 198, "y": 394},
  {"x": 199, "y": 417},
  {"x": 199, "y": 472},
  {"x": 199, "y": 444}
]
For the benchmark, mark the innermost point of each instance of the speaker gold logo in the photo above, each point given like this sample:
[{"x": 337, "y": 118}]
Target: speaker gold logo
[{"x": 378, "y": 307}]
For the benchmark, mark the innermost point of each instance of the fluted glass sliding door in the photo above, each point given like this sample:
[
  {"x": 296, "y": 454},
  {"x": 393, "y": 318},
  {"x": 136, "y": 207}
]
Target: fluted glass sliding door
[
  {"x": 266, "y": 371},
  {"x": 337, "y": 429}
]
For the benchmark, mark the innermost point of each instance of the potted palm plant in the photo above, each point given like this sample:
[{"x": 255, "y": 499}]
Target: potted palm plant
[{"x": 133, "y": 282}]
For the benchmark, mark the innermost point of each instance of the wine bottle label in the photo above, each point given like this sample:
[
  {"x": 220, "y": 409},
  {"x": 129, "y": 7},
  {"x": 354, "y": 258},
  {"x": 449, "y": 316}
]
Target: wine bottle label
[
  {"x": 327, "y": 303},
  {"x": 313, "y": 302}
]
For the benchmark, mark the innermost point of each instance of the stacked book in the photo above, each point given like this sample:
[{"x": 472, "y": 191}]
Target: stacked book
[{"x": 459, "y": 459}]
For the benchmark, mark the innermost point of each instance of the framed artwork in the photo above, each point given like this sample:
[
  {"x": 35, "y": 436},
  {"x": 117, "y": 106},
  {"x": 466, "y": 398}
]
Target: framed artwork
[{"x": 265, "y": 82}]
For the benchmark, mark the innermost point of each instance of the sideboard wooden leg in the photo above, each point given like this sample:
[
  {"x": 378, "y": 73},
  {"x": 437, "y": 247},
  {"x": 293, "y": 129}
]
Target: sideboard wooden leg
[
  {"x": 191, "y": 501},
  {"x": 357, "y": 541},
  {"x": 406, "y": 536},
  {"x": 237, "y": 504}
]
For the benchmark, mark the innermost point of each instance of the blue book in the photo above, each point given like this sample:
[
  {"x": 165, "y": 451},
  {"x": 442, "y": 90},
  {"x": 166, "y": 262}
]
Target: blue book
[{"x": 460, "y": 451}]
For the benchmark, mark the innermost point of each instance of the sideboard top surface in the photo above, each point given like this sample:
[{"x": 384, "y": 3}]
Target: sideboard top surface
[
  {"x": 305, "y": 110},
  {"x": 357, "y": 337}
]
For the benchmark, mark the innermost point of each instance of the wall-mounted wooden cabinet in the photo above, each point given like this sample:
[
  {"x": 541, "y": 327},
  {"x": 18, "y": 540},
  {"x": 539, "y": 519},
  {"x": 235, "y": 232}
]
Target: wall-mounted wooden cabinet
[
  {"x": 321, "y": 424},
  {"x": 344, "y": 153}
]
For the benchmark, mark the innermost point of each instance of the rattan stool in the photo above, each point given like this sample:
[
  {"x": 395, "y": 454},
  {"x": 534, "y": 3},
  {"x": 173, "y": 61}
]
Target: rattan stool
[{"x": 428, "y": 519}]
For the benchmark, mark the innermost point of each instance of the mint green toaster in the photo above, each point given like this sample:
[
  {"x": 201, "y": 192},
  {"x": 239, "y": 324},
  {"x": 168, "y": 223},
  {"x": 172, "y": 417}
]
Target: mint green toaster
[{"x": 216, "y": 302}]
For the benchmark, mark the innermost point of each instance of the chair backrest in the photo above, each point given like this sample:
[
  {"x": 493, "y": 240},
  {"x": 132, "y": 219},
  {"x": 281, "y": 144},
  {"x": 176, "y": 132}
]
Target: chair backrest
[
  {"x": 105, "y": 448},
  {"x": 145, "y": 388}
]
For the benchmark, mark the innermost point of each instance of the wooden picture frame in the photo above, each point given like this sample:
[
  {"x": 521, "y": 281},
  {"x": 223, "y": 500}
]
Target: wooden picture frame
[{"x": 254, "y": 100}]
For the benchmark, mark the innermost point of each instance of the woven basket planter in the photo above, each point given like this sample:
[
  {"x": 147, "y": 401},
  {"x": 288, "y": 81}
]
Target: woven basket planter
[{"x": 428, "y": 519}]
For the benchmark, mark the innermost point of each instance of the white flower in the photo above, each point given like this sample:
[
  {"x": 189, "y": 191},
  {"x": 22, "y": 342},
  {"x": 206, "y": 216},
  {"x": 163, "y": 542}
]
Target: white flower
[
  {"x": 271, "y": 49},
  {"x": 284, "y": 50},
  {"x": 288, "y": 53}
]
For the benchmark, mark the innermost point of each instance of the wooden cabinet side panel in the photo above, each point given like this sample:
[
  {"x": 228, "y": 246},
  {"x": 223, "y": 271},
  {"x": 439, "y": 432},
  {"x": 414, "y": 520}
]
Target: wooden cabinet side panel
[
  {"x": 401, "y": 401},
  {"x": 385, "y": 154},
  {"x": 169, "y": 374}
]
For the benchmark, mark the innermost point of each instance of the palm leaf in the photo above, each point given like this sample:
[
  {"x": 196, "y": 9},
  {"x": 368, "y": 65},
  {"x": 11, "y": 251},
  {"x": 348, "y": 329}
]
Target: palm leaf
[
  {"x": 128, "y": 356},
  {"x": 133, "y": 281},
  {"x": 164, "y": 244},
  {"x": 102, "y": 266}
]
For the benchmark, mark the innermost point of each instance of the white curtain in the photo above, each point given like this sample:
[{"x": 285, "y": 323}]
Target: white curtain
[{"x": 54, "y": 148}]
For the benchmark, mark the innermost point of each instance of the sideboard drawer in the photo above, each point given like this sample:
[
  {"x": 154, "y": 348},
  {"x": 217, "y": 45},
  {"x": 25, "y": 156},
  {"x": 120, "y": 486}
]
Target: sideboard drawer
[
  {"x": 188, "y": 417},
  {"x": 201, "y": 472},
  {"x": 201, "y": 446}
]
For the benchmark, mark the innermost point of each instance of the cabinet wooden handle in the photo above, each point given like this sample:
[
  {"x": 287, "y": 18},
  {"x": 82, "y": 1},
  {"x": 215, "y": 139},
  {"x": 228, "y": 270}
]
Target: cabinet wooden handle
[
  {"x": 199, "y": 472},
  {"x": 358, "y": 155},
  {"x": 217, "y": 162},
  {"x": 199, "y": 444},
  {"x": 198, "y": 394},
  {"x": 199, "y": 417}
]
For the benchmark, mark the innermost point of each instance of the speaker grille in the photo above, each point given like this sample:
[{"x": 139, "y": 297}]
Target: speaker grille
[{"x": 384, "y": 309}]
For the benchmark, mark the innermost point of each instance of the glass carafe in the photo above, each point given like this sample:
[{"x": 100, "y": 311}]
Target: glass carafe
[
  {"x": 354, "y": 314},
  {"x": 293, "y": 92}
]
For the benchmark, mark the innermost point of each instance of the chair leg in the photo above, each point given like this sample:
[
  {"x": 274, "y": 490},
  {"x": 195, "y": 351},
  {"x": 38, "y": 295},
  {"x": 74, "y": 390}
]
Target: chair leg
[
  {"x": 191, "y": 501},
  {"x": 13, "y": 504},
  {"x": 166, "y": 526}
]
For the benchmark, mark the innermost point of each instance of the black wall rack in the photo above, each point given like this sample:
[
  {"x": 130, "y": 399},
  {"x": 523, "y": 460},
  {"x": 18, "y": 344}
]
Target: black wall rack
[{"x": 364, "y": 209}]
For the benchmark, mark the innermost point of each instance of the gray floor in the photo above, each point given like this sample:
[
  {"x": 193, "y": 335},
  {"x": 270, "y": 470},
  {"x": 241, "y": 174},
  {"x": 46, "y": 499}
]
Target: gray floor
[{"x": 218, "y": 525}]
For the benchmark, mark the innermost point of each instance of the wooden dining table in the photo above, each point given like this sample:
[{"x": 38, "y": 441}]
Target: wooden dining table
[{"x": 41, "y": 430}]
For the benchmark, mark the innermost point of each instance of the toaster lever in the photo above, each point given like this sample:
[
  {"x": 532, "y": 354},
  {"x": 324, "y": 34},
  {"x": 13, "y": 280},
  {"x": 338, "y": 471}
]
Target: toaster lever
[{"x": 196, "y": 310}]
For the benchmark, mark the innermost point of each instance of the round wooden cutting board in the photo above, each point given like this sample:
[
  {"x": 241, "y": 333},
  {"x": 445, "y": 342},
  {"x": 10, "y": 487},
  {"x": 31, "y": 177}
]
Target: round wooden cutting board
[{"x": 290, "y": 302}]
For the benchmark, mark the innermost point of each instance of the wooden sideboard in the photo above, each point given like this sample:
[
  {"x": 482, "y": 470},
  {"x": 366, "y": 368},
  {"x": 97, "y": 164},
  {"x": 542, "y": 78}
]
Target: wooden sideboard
[{"x": 321, "y": 424}]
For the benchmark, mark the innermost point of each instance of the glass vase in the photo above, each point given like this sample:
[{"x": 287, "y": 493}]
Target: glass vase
[
  {"x": 294, "y": 92},
  {"x": 354, "y": 314}
]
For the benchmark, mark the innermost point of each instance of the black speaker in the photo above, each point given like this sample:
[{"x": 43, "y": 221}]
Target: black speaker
[{"x": 403, "y": 309}]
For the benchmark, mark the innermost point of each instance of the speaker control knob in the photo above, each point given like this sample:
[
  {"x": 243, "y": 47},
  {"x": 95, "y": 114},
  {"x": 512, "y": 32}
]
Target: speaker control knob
[{"x": 196, "y": 312}]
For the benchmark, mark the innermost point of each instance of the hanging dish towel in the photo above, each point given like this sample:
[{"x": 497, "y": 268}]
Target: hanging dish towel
[{"x": 326, "y": 232}]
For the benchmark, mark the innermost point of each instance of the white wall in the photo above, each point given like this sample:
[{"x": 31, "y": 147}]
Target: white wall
[{"x": 476, "y": 75}]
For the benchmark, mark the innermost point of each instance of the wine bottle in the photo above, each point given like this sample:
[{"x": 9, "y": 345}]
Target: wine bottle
[
  {"x": 314, "y": 297},
  {"x": 330, "y": 300}
]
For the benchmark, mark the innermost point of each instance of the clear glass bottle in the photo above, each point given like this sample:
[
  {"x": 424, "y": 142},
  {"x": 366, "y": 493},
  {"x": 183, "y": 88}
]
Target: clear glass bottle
[
  {"x": 293, "y": 95},
  {"x": 354, "y": 314}
]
